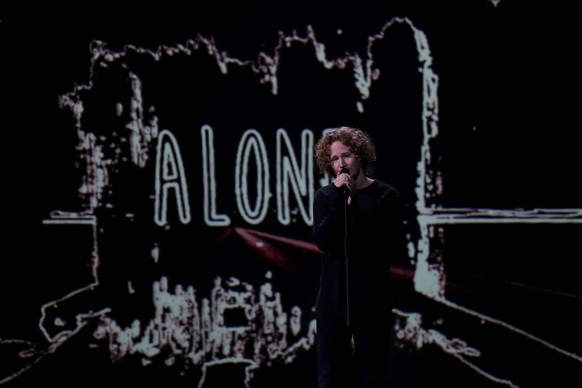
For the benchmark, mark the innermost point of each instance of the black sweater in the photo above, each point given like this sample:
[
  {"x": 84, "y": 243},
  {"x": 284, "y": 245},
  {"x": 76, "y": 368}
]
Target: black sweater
[{"x": 374, "y": 237}]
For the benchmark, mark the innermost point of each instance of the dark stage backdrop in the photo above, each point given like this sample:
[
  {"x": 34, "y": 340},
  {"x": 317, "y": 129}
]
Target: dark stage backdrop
[{"x": 159, "y": 178}]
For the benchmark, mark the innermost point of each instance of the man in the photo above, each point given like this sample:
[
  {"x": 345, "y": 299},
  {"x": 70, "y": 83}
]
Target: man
[{"x": 358, "y": 226}]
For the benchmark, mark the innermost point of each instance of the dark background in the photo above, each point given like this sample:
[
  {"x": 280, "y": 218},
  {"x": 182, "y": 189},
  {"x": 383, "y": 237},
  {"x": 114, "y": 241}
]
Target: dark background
[{"x": 508, "y": 125}]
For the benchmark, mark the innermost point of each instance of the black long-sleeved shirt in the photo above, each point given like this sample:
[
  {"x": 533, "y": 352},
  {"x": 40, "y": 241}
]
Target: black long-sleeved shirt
[{"x": 374, "y": 235}]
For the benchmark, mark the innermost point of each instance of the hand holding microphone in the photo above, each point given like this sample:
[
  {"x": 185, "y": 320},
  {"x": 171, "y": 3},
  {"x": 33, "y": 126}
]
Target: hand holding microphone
[{"x": 347, "y": 183}]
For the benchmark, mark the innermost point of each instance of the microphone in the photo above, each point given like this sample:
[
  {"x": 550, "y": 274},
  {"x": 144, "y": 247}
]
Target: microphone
[{"x": 345, "y": 189}]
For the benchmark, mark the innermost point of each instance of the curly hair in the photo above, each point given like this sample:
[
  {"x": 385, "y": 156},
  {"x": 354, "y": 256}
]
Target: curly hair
[{"x": 358, "y": 141}]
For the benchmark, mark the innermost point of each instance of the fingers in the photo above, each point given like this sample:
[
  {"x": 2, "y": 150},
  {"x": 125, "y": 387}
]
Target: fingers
[
  {"x": 343, "y": 180},
  {"x": 347, "y": 181}
]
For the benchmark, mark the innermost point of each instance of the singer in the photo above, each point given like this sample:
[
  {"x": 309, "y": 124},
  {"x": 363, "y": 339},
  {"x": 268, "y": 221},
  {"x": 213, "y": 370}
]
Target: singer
[{"x": 358, "y": 225}]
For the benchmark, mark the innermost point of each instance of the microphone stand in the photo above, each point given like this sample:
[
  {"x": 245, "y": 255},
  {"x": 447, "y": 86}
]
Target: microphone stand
[
  {"x": 346, "y": 191},
  {"x": 346, "y": 195}
]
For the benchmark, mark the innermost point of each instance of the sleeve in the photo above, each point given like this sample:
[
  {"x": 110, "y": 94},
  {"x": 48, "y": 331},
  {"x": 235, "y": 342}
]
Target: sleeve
[
  {"x": 393, "y": 213},
  {"x": 328, "y": 215}
]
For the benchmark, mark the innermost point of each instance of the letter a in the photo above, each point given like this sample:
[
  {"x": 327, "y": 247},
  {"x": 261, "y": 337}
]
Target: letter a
[{"x": 170, "y": 176}]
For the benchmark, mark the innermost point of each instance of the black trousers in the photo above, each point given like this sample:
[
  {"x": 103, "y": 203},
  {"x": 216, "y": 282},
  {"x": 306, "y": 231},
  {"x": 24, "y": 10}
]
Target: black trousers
[{"x": 352, "y": 356}]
